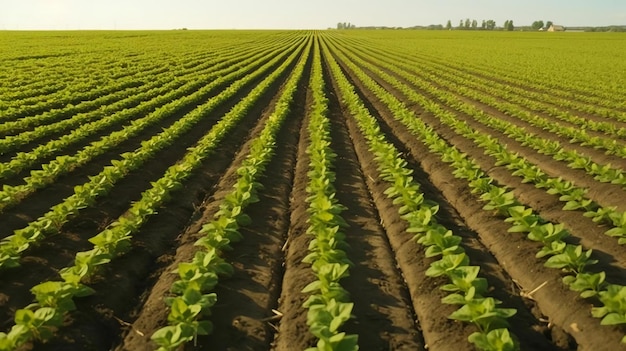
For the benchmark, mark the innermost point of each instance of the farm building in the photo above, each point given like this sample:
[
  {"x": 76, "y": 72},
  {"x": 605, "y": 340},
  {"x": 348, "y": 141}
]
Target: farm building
[{"x": 556, "y": 28}]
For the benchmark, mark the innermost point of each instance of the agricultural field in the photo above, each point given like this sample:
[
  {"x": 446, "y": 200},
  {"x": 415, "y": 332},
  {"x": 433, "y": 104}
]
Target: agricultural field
[{"x": 321, "y": 190}]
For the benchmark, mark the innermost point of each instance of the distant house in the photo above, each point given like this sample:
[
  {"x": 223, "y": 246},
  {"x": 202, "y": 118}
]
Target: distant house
[{"x": 556, "y": 28}]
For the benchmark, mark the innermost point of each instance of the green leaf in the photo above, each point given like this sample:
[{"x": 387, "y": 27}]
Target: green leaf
[
  {"x": 548, "y": 232},
  {"x": 171, "y": 337},
  {"x": 182, "y": 312},
  {"x": 343, "y": 342},
  {"x": 454, "y": 299},
  {"x": 495, "y": 340},
  {"x": 24, "y": 316},
  {"x": 553, "y": 248},
  {"x": 6, "y": 343},
  {"x": 45, "y": 314},
  {"x": 613, "y": 319},
  {"x": 484, "y": 313},
  {"x": 572, "y": 259},
  {"x": 205, "y": 327},
  {"x": 616, "y": 232},
  {"x": 312, "y": 287},
  {"x": 55, "y": 294},
  {"x": 340, "y": 316},
  {"x": 446, "y": 264},
  {"x": 244, "y": 220},
  {"x": 613, "y": 300},
  {"x": 465, "y": 278},
  {"x": 588, "y": 284}
]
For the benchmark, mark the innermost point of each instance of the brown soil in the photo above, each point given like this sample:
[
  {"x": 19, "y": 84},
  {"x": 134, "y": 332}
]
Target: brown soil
[
  {"x": 396, "y": 306},
  {"x": 383, "y": 317},
  {"x": 514, "y": 253},
  {"x": 152, "y": 247},
  {"x": 585, "y": 231}
]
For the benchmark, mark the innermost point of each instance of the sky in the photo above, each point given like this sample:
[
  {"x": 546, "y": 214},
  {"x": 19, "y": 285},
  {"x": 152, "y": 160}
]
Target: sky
[{"x": 297, "y": 14}]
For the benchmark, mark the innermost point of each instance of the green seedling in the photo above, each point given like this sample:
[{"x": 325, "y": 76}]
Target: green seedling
[
  {"x": 547, "y": 233},
  {"x": 324, "y": 321},
  {"x": 523, "y": 219},
  {"x": 484, "y": 313},
  {"x": 440, "y": 241},
  {"x": 495, "y": 340},
  {"x": 170, "y": 338},
  {"x": 614, "y": 309},
  {"x": 588, "y": 284},
  {"x": 447, "y": 264},
  {"x": 499, "y": 200},
  {"x": 573, "y": 259},
  {"x": 465, "y": 279}
]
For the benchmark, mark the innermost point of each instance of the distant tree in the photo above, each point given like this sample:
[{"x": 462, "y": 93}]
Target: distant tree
[
  {"x": 490, "y": 24},
  {"x": 537, "y": 25},
  {"x": 506, "y": 24},
  {"x": 345, "y": 25},
  {"x": 460, "y": 24},
  {"x": 474, "y": 24},
  {"x": 548, "y": 24},
  {"x": 468, "y": 23},
  {"x": 510, "y": 26},
  {"x": 449, "y": 25}
]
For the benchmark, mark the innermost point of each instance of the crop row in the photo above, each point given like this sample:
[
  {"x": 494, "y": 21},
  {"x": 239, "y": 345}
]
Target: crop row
[
  {"x": 81, "y": 77},
  {"x": 55, "y": 298},
  {"x": 422, "y": 125},
  {"x": 328, "y": 303},
  {"x": 171, "y": 103},
  {"x": 85, "y": 195},
  {"x": 573, "y": 196},
  {"x": 96, "y": 115},
  {"x": 570, "y": 258},
  {"x": 465, "y": 289},
  {"x": 192, "y": 301}
]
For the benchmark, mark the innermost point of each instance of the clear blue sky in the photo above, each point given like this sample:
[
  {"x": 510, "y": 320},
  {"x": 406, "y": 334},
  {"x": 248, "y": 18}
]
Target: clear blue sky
[{"x": 297, "y": 14}]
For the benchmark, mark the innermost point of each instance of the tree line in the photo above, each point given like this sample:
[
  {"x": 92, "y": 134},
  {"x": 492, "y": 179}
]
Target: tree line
[
  {"x": 473, "y": 25},
  {"x": 345, "y": 25},
  {"x": 468, "y": 24}
]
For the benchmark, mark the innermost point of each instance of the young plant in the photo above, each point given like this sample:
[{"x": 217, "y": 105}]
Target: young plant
[
  {"x": 495, "y": 340},
  {"x": 447, "y": 264},
  {"x": 484, "y": 313},
  {"x": 588, "y": 284},
  {"x": 572, "y": 259},
  {"x": 614, "y": 310}
]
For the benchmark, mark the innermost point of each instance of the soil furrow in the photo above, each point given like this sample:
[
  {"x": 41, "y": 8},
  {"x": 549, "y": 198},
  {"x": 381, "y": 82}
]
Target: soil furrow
[
  {"x": 260, "y": 306},
  {"x": 241, "y": 315},
  {"x": 292, "y": 332},
  {"x": 424, "y": 290},
  {"x": 598, "y": 156},
  {"x": 583, "y": 229},
  {"x": 514, "y": 254},
  {"x": 42, "y": 266},
  {"x": 40, "y": 202},
  {"x": 384, "y": 317}
]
